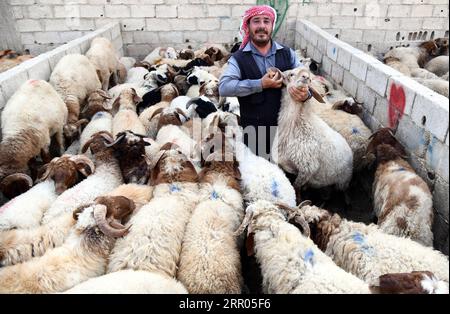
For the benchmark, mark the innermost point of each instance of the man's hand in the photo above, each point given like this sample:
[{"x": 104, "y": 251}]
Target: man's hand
[
  {"x": 299, "y": 94},
  {"x": 271, "y": 81}
]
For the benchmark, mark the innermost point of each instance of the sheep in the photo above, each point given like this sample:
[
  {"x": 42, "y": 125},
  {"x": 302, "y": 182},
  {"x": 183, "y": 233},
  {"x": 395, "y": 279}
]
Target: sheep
[
  {"x": 10, "y": 58},
  {"x": 403, "y": 202},
  {"x": 445, "y": 77},
  {"x": 306, "y": 146},
  {"x": 182, "y": 84},
  {"x": 188, "y": 146},
  {"x": 398, "y": 65},
  {"x": 83, "y": 255},
  {"x": 159, "y": 53},
  {"x": 349, "y": 126},
  {"x": 210, "y": 259},
  {"x": 17, "y": 246},
  {"x": 60, "y": 174},
  {"x": 416, "y": 282},
  {"x": 423, "y": 74},
  {"x": 103, "y": 56},
  {"x": 27, "y": 133},
  {"x": 75, "y": 79},
  {"x": 442, "y": 44},
  {"x": 438, "y": 65},
  {"x": 157, "y": 229},
  {"x": 126, "y": 119},
  {"x": 199, "y": 76},
  {"x": 181, "y": 102},
  {"x": 367, "y": 252},
  {"x": 413, "y": 57},
  {"x": 137, "y": 76},
  {"x": 168, "y": 116},
  {"x": 130, "y": 282},
  {"x": 101, "y": 121},
  {"x": 96, "y": 102},
  {"x": 439, "y": 86},
  {"x": 290, "y": 262},
  {"x": 129, "y": 149}
]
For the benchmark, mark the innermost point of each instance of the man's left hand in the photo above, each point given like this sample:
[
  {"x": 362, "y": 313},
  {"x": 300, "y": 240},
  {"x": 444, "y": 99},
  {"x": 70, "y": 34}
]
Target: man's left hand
[{"x": 299, "y": 94}]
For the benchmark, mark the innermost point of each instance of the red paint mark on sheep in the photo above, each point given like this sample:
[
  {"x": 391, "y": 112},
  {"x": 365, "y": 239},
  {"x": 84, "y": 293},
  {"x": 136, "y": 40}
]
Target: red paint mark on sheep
[
  {"x": 397, "y": 103},
  {"x": 7, "y": 205}
]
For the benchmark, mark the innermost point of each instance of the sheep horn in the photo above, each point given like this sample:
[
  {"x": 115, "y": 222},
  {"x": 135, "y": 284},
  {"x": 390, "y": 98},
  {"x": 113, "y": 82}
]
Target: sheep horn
[
  {"x": 81, "y": 122},
  {"x": 157, "y": 111},
  {"x": 356, "y": 102},
  {"x": 116, "y": 224},
  {"x": 191, "y": 102},
  {"x": 100, "y": 212},
  {"x": 304, "y": 203},
  {"x": 118, "y": 139},
  {"x": 13, "y": 177},
  {"x": 104, "y": 94},
  {"x": 180, "y": 112},
  {"x": 79, "y": 210},
  {"x": 81, "y": 160},
  {"x": 247, "y": 219},
  {"x": 305, "y": 226}
]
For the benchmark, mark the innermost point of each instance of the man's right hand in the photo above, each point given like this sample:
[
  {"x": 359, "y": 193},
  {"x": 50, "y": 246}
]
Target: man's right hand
[{"x": 270, "y": 81}]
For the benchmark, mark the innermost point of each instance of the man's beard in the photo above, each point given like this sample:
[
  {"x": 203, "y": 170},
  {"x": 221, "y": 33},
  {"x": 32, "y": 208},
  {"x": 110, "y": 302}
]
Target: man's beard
[{"x": 260, "y": 42}]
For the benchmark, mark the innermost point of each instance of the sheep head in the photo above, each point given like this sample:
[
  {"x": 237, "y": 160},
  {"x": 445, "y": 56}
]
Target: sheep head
[
  {"x": 99, "y": 143},
  {"x": 97, "y": 101},
  {"x": 385, "y": 146},
  {"x": 171, "y": 165},
  {"x": 442, "y": 44},
  {"x": 298, "y": 78},
  {"x": 349, "y": 106},
  {"x": 182, "y": 84},
  {"x": 15, "y": 184},
  {"x": 186, "y": 54},
  {"x": 72, "y": 131},
  {"x": 169, "y": 92},
  {"x": 64, "y": 171},
  {"x": 416, "y": 282},
  {"x": 214, "y": 53}
]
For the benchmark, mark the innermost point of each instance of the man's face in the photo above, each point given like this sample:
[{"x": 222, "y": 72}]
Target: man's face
[{"x": 260, "y": 27}]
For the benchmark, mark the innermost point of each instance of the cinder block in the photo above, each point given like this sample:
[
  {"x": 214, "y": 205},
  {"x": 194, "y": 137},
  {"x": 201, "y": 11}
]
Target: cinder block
[
  {"x": 337, "y": 73},
  {"x": 138, "y": 50},
  {"x": 11, "y": 80},
  {"x": 350, "y": 83},
  {"x": 352, "y": 9},
  {"x": 157, "y": 25},
  {"x": 332, "y": 49},
  {"x": 196, "y": 36},
  {"x": 207, "y": 24},
  {"x": 329, "y": 9},
  {"x": 117, "y": 11},
  {"x": 39, "y": 68},
  {"x": 431, "y": 111},
  {"x": 381, "y": 111},
  {"x": 404, "y": 85},
  {"x": 344, "y": 58},
  {"x": 367, "y": 96},
  {"x": 133, "y": 25},
  {"x": 378, "y": 75},
  {"x": 326, "y": 65},
  {"x": 92, "y": 11},
  {"x": 73, "y": 47},
  {"x": 421, "y": 10},
  {"x": 415, "y": 138},
  {"x": 437, "y": 158},
  {"x": 55, "y": 55},
  {"x": 221, "y": 37},
  {"x": 321, "y": 21},
  {"x": 344, "y": 22},
  {"x": 399, "y": 11},
  {"x": 144, "y": 38},
  {"x": 352, "y": 35},
  {"x": 117, "y": 43},
  {"x": 47, "y": 37},
  {"x": 143, "y": 11},
  {"x": 374, "y": 36},
  {"x": 67, "y": 11},
  {"x": 359, "y": 64},
  {"x": 28, "y": 25},
  {"x": 228, "y": 24},
  {"x": 170, "y": 37},
  {"x": 420, "y": 168},
  {"x": 370, "y": 121},
  {"x": 40, "y": 12},
  {"x": 166, "y": 11},
  {"x": 219, "y": 10},
  {"x": 192, "y": 11}
]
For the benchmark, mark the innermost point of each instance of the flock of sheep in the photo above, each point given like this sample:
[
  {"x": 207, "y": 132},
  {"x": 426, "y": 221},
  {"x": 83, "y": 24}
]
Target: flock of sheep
[
  {"x": 427, "y": 63},
  {"x": 129, "y": 176}
]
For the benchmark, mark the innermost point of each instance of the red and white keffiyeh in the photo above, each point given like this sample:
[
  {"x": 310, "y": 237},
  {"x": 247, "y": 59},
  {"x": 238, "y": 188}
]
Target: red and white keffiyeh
[{"x": 254, "y": 11}]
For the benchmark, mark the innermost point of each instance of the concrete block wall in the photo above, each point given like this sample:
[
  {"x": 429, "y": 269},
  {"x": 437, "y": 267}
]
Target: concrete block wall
[
  {"x": 419, "y": 116},
  {"x": 41, "y": 66},
  {"x": 379, "y": 24}
]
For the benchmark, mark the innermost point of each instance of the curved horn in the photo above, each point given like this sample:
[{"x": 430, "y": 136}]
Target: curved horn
[
  {"x": 157, "y": 111},
  {"x": 118, "y": 139},
  {"x": 191, "y": 102},
  {"x": 48, "y": 169},
  {"x": 81, "y": 160},
  {"x": 356, "y": 102},
  {"x": 104, "y": 94},
  {"x": 247, "y": 219},
  {"x": 79, "y": 210},
  {"x": 305, "y": 226},
  {"x": 304, "y": 203},
  {"x": 180, "y": 112},
  {"x": 100, "y": 219},
  {"x": 81, "y": 122},
  {"x": 16, "y": 176}
]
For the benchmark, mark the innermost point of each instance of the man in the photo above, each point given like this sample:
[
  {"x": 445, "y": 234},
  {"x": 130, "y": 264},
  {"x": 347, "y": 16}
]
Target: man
[{"x": 246, "y": 77}]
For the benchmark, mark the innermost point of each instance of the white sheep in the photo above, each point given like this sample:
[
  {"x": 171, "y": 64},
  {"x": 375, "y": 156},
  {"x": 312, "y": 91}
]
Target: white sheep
[
  {"x": 157, "y": 229},
  {"x": 130, "y": 282},
  {"x": 83, "y": 255},
  {"x": 440, "y": 86},
  {"x": 137, "y": 76},
  {"x": 290, "y": 262},
  {"x": 103, "y": 56},
  {"x": 403, "y": 202},
  {"x": 413, "y": 57},
  {"x": 75, "y": 79},
  {"x": 16, "y": 247},
  {"x": 26, "y": 131},
  {"x": 26, "y": 210},
  {"x": 423, "y": 74},
  {"x": 128, "y": 62},
  {"x": 350, "y": 126},
  {"x": 101, "y": 121},
  {"x": 126, "y": 119},
  {"x": 367, "y": 252},
  {"x": 306, "y": 146},
  {"x": 210, "y": 259},
  {"x": 438, "y": 65}
]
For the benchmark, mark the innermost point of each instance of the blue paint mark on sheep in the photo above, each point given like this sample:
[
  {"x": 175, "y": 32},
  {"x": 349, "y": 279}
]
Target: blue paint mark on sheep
[
  {"x": 400, "y": 169},
  {"x": 334, "y": 50},
  {"x": 174, "y": 188},
  {"x": 355, "y": 131},
  {"x": 275, "y": 188},
  {"x": 309, "y": 257},
  {"x": 214, "y": 195},
  {"x": 360, "y": 239},
  {"x": 98, "y": 115}
]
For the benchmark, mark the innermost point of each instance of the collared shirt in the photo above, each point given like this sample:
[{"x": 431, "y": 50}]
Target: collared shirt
[{"x": 232, "y": 85}]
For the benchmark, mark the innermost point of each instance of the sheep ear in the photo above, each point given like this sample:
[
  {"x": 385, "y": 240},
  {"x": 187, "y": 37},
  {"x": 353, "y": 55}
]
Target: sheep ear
[
  {"x": 157, "y": 111},
  {"x": 136, "y": 98},
  {"x": 201, "y": 91},
  {"x": 104, "y": 94},
  {"x": 116, "y": 105},
  {"x": 316, "y": 95},
  {"x": 285, "y": 76}
]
